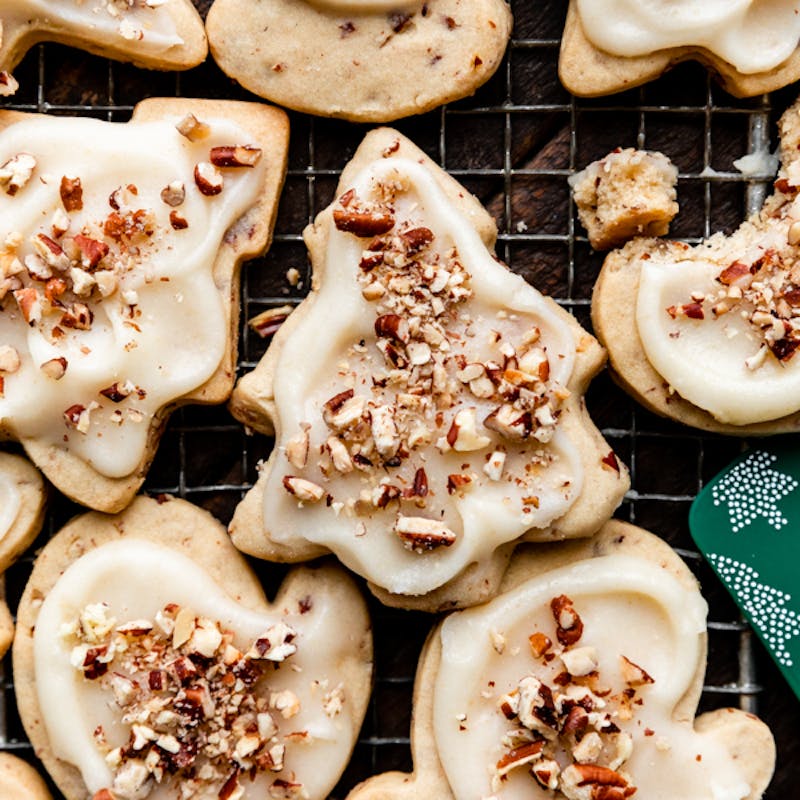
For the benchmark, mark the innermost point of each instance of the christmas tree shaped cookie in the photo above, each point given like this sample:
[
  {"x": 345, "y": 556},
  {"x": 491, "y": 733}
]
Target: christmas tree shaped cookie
[
  {"x": 579, "y": 681},
  {"x": 427, "y": 403}
]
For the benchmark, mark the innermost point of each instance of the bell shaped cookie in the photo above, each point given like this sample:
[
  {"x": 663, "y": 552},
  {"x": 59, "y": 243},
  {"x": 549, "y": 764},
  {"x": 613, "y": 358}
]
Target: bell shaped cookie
[
  {"x": 612, "y": 45},
  {"x": 580, "y": 681},
  {"x": 708, "y": 335},
  {"x": 149, "y": 664},
  {"x": 362, "y": 60},
  {"x": 160, "y": 34},
  {"x": 114, "y": 239},
  {"x": 426, "y": 401}
]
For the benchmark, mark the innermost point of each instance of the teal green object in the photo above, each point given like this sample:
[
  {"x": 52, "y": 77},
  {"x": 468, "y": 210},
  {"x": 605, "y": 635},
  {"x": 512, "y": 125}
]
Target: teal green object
[{"x": 746, "y": 523}]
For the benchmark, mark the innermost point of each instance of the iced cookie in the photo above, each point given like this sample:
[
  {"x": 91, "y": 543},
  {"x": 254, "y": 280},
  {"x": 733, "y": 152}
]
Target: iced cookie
[
  {"x": 22, "y": 503},
  {"x": 362, "y": 60},
  {"x": 18, "y": 779},
  {"x": 427, "y": 403},
  {"x": 114, "y": 239},
  {"x": 160, "y": 34},
  {"x": 580, "y": 681},
  {"x": 625, "y": 194},
  {"x": 149, "y": 665},
  {"x": 707, "y": 335},
  {"x": 612, "y": 45}
]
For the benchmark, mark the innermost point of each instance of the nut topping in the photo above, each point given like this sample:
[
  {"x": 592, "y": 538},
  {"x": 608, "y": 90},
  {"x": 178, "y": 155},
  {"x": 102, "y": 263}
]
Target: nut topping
[
  {"x": 16, "y": 172},
  {"x": 199, "y": 713},
  {"x": 208, "y": 179},
  {"x": 235, "y": 156},
  {"x": 633, "y": 674},
  {"x": 423, "y": 535},
  {"x": 174, "y": 194},
  {"x": 303, "y": 490},
  {"x": 192, "y": 128},
  {"x": 9, "y": 359},
  {"x": 55, "y": 368},
  {"x": 268, "y": 322},
  {"x": 569, "y": 627},
  {"x": 71, "y": 194},
  {"x": 363, "y": 223}
]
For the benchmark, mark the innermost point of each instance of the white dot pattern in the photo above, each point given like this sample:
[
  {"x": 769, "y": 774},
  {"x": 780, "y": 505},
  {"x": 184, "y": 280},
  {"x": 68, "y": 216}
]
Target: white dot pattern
[
  {"x": 766, "y": 606},
  {"x": 752, "y": 489}
]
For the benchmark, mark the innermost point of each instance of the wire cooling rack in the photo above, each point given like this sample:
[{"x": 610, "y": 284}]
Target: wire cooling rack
[{"x": 514, "y": 144}]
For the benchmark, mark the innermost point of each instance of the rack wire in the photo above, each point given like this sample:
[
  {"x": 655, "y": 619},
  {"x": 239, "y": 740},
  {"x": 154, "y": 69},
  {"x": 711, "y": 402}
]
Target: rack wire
[{"x": 514, "y": 144}]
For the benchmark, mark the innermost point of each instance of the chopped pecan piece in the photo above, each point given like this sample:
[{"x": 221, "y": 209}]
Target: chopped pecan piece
[
  {"x": 173, "y": 194},
  {"x": 54, "y": 368},
  {"x": 519, "y": 757},
  {"x": 71, "y": 194},
  {"x": 92, "y": 251},
  {"x": 569, "y": 626},
  {"x": 16, "y": 172},
  {"x": 178, "y": 222},
  {"x": 208, "y": 179},
  {"x": 633, "y": 674},
  {"x": 267, "y": 322},
  {"x": 9, "y": 358},
  {"x": 363, "y": 223},
  {"x": 422, "y": 534},
  {"x": 192, "y": 128},
  {"x": 303, "y": 490},
  {"x": 8, "y": 84},
  {"x": 235, "y": 156}
]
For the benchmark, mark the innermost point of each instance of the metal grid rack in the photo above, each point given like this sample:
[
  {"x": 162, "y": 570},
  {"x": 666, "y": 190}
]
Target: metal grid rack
[{"x": 513, "y": 144}]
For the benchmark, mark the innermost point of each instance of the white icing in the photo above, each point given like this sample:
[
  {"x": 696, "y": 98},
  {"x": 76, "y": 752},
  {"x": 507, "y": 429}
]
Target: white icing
[
  {"x": 628, "y": 607},
  {"x": 306, "y": 376},
  {"x": 136, "y": 579},
  {"x": 752, "y": 35},
  {"x": 705, "y": 360},
  {"x": 172, "y": 283},
  {"x": 151, "y": 28},
  {"x": 10, "y": 502}
]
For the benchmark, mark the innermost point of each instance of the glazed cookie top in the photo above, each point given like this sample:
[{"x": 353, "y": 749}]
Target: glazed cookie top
[
  {"x": 148, "y": 23},
  {"x": 546, "y": 688},
  {"x": 722, "y": 326},
  {"x": 421, "y": 430},
  {"x": 118, "y": 657},
  {"x": 752, "y": 35},
  {"x": 103, "y": 258}
]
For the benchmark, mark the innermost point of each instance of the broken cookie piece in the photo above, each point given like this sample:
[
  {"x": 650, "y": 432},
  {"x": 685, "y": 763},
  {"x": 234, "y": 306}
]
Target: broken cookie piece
[
  {"x": 580, "y": 681},
  {"x": 340, "y": 59},
  {"x": 427, "y": 402},
  {"x": 625, "y": 194},
  {"x": 155, "y": 667},
  {"x": 114, "y": 239}
]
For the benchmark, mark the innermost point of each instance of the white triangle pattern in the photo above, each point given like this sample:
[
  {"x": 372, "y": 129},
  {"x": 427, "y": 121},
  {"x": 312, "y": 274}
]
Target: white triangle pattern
[
  {"x": 766, "y": 606},
  {"x": 752, "y": 489}
]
